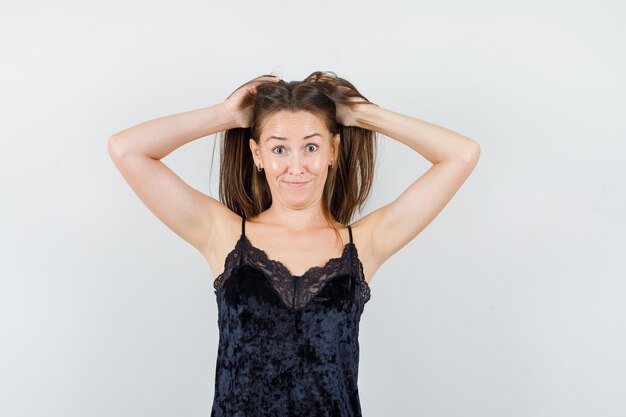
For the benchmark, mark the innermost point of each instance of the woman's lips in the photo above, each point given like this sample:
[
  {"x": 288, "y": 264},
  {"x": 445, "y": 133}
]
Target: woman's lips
[{"x": 296, "y": 184}]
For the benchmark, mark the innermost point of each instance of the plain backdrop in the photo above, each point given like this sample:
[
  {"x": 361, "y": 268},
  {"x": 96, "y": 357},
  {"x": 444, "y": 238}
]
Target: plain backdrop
[{"x": 510, "y": 303}]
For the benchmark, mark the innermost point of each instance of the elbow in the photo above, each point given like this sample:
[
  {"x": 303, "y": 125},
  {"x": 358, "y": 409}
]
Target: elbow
[
  {"x": 114, "y": 146},
  {"x": 472, "y": 154},
  {"x": 469, "y": 155}
]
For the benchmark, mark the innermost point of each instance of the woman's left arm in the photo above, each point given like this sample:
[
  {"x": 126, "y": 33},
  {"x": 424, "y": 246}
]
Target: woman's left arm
[
  {"x": 435, "y": 143},
  {"x": 453, "y": 156}
]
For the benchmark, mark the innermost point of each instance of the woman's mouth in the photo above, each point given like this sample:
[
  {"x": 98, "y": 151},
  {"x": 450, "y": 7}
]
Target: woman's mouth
[{"x": 297, "y": 184}]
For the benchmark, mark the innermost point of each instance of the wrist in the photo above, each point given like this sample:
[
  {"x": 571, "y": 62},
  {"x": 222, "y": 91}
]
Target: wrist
[
  {"x": 363, "y": 114},
  {"x": 226, "y": 118}
]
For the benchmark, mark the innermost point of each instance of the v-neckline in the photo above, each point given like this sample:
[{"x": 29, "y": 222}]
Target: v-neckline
[{"x": 286, "y": 270}]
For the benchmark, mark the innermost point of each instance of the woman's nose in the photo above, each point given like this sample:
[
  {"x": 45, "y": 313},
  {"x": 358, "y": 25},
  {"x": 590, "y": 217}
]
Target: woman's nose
[{"x": 296, "y": 162}]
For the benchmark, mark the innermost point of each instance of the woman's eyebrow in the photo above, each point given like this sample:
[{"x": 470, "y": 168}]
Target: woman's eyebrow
[{"x": 281, "y": 138}]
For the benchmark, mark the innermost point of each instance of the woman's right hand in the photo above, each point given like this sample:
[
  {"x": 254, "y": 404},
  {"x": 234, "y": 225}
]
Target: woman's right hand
[{"x": 240, "y": 103}]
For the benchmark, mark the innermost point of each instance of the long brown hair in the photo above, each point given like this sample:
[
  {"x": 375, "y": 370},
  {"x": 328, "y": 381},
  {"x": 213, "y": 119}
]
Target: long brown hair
[{"x": 245, "y": 190}]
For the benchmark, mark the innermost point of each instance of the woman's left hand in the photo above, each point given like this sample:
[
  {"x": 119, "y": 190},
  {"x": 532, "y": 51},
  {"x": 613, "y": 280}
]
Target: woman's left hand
[{"x": 348, "y": 114}]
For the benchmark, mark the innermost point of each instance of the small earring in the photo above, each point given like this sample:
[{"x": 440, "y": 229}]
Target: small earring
[{"x": 258, "y": 168}]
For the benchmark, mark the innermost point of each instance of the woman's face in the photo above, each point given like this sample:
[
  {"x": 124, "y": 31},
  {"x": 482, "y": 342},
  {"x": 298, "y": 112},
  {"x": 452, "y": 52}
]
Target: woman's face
[{"x": 295, "y": 150}]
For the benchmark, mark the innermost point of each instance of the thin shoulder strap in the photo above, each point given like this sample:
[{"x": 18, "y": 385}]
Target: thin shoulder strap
[{"x": 350, "y": 230}]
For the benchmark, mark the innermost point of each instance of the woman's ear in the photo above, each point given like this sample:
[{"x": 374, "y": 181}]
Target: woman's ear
[
  {"x": 254, "y": 148},
  {"x": 336, "y": 143}
]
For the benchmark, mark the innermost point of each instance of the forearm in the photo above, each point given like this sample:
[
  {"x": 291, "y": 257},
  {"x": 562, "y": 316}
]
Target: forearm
[
  {"x": 159, "y": 137},
  {"x": 433, "y": 142}
]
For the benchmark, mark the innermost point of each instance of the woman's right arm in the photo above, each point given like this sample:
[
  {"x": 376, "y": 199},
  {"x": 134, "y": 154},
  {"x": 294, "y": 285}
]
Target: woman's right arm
[
  {"x": 159, "y": 137},
  {"x": 137, "y": 151}
]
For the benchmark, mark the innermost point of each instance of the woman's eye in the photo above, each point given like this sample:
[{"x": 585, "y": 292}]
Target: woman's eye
[
  {"x": 309, "y": 146},
  {"x": 278, "y": 147}
]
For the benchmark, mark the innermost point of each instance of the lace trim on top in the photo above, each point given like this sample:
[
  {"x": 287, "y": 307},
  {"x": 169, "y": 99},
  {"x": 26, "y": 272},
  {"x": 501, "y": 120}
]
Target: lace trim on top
[
  {"x": 294, "y": 291},
  {"x": 358, "y": 266}
]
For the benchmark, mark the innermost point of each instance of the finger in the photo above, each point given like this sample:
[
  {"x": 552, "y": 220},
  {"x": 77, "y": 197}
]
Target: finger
[
  {"x": 264, "y": 78},
  {"x": 252, "y": 85}
]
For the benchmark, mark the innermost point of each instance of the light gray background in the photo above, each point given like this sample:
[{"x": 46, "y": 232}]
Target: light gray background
[{"x": 511, "y": 303}]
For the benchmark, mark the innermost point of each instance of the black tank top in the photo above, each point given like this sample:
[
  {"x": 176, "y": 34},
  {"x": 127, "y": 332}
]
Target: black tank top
[{"x": 288, "y": 345}]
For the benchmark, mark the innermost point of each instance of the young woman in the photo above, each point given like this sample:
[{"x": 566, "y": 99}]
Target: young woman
[{"x": 297, "y": 160}]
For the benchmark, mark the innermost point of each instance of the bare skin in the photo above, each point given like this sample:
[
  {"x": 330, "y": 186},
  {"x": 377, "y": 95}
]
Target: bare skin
[
  {"x": 295, "y": 211},
  {"x": 292, "y": 230}
]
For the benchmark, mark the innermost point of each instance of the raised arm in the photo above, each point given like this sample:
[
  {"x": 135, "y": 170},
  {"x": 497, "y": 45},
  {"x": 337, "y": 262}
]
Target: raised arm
[
  {"x": 137, "y": 154},
  {"x": 453, "y": 156},
  {"x": 159, "y": 137},
  {"x": 137, "y": 151}
]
